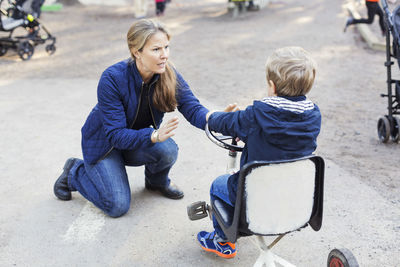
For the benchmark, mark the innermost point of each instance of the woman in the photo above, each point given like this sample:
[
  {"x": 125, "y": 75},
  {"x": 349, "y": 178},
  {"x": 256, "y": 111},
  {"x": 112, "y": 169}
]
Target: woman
[{"x": 124, "y": 128}]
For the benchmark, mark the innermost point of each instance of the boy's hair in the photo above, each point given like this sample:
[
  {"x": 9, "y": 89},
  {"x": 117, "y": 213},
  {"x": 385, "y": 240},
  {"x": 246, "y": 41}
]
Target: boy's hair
[{"x": 292, "y": 70}]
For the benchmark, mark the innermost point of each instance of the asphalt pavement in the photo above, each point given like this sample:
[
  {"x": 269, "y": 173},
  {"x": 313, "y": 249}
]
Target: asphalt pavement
[
  {"x": 40, "y": 128},
  {"x": 40, "y": 131}
]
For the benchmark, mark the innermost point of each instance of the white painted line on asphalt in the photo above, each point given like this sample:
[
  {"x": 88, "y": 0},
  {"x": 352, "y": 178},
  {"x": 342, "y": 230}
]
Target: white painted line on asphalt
[{"x": 86, "y": 227}]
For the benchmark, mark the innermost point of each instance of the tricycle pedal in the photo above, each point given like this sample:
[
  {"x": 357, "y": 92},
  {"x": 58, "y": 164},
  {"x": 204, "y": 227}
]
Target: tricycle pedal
[{"x": 198, "y": 210}]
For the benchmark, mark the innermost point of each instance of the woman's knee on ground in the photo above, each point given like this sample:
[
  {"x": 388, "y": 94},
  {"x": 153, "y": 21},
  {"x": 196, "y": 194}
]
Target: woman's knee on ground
[{"x": 116, "y": 207}]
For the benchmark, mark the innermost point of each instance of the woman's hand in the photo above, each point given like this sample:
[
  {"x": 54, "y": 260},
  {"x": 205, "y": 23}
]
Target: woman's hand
[{"x": 165, "y": 131}]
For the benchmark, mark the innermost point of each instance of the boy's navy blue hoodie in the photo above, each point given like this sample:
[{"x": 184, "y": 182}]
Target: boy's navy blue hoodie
[{"x": 275, "y": 128}]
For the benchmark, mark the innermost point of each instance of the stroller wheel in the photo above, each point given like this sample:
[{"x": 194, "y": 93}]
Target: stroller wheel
[
  {"x": 50, "y": 49},
  {"x": 341, "y": 258},
  {"x": 395, "y": 133},
  {"x": 25, "y": 50},
  {"x": 3, "y": 50},
  {"x": 383, "y": 129}
]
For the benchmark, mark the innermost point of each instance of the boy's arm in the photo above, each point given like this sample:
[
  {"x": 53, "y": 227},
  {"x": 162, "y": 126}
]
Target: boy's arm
[
  {"x": 230, "y": 108},
  {"x": 236, "y": 124}
]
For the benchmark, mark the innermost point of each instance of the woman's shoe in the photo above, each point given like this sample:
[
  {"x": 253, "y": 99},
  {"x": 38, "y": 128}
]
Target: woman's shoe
[
  {"x": 61, "y": 188},
  {"x": 170, "y": 191}
]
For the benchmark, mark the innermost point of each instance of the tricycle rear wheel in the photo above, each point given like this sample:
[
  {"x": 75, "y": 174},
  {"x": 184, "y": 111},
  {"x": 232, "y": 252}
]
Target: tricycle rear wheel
[{"x": 342, "y": 258}]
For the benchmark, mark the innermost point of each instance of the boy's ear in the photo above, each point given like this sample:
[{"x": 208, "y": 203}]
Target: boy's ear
[{"x": 272, "y": 87}]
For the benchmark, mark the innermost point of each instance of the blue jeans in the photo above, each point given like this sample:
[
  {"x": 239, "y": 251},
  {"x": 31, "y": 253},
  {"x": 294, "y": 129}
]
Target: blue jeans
[
  {"x": 219, "y": 190},
  {"x": 106, "y": 184}
]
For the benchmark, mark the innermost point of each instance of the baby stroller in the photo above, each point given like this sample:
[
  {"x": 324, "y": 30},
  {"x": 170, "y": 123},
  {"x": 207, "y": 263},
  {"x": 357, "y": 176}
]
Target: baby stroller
[
  {"x": 389, "y": 125},
  {"x": 29, "y": 6},
  {"x": 15, "y": 16}
]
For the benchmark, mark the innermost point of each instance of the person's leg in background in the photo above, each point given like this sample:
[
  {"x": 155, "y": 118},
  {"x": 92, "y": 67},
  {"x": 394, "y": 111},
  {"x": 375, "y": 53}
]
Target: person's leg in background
[
  {"x": 163, "y": 6},
  {"x": 144, "y": 6},
  {"x": 372, "y": 9},
  {"x": 379, "y": 12},
  {"x": 158, "y": 8},
  {"x": 140, "y": 8}
]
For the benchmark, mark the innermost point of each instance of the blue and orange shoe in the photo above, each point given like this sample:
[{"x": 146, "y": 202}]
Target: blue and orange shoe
[{"x": 208, "y": 242}]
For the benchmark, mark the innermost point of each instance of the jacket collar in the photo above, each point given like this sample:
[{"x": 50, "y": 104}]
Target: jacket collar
[
  {"x": 137, "y": 77},
  {"x": 295, "y": 98}
]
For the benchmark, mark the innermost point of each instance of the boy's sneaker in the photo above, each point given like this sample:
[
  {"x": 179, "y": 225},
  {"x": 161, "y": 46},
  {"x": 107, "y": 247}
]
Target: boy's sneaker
[{"x": 209, "y": 243}]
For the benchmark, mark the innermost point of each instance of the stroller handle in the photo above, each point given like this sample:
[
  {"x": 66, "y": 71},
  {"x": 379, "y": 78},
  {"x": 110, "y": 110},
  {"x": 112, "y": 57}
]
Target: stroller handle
[
  {"x": 11, "y": 2},
  {"x": 387, "y": 14},
  {"x": 14, "y": 4},
  {"x": 386, "y": 7}
]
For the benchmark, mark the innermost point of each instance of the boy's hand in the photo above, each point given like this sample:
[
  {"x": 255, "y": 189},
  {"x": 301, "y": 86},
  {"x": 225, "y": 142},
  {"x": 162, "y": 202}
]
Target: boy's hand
[{"x": 231, "y": 108}]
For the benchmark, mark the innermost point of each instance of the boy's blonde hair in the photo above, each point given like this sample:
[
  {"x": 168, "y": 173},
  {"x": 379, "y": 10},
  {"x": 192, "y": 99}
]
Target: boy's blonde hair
[{"x": 292, "y": 70}]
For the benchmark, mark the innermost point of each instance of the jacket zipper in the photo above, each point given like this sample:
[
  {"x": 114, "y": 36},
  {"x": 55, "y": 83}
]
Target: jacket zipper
[
  {"x": 134, "y": 120},
  {"x": 151, "y": 111},
  {"x": 137, "y": 113}
]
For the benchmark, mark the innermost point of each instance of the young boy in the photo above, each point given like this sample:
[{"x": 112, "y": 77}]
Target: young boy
[{"x": 284, "y": 125}]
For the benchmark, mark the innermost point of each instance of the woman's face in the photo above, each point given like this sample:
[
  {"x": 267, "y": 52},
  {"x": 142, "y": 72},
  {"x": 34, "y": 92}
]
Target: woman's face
[{"x": 153, "y": 57}]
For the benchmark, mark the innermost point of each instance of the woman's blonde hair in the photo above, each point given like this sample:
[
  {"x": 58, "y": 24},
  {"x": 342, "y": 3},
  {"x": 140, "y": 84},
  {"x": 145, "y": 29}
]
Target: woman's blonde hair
[
  {"x": 292, "y": 70},
  {"x": 164, "y": 97}
]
